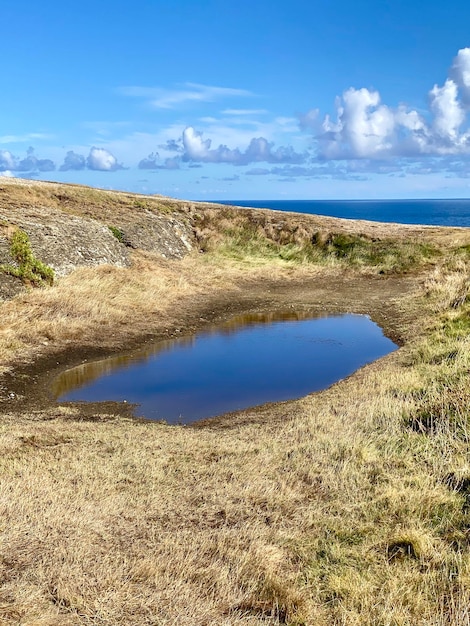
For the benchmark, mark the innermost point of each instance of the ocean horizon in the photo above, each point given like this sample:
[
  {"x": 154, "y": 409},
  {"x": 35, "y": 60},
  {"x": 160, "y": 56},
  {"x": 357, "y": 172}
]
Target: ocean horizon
[{"x": 451, "y": 212}]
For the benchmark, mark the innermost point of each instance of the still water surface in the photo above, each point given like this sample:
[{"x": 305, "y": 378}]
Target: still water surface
[{"x": 249, "y": 361}]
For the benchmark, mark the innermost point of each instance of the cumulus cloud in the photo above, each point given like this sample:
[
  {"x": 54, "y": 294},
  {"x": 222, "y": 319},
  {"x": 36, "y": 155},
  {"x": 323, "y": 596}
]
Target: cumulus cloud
[
  {"x": 6, "y": 174},
  {"x": 262, "y": 150},
  {"x": 460, "y": 73},
  {"x": 73, "y": 161},
  {"x": 7, "y": 160},
  {"x": 259, "y": 149},
  {"x": 98, "y": 159},
  {"x": 30, "y": 164},
  {"x": 33, "y": 164},
  {"x": 448, "y": 112},
  {"x": 102, "y": 160},
  {"x": 152, "y": 162},
  {"x": 365, "y": 128},
  {"x": 172, "y": 145}
]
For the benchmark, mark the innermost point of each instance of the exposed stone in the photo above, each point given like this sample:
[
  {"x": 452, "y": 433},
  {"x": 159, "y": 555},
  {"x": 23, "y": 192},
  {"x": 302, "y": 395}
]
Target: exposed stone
[
  {"x": 70, "y": 233},
  {"x": 168, "y": 236},
  {"x": 65, "y": 242}
]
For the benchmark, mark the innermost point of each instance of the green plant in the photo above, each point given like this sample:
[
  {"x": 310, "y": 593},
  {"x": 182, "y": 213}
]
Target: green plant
[
  {"x": 384, "y": 255},
  {"x": 118, "y": 233},
  {"x": 140, "y": 204},
  {"x": 29, "y": 269},
  {"x": 243, "y": 241}
]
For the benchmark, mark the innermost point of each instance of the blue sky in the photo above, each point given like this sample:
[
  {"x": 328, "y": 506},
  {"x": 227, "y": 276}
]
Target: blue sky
[{"x": 245, "y": 99}]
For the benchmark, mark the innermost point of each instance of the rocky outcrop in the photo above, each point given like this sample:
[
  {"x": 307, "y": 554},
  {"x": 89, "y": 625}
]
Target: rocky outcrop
[
  {"x": 168, "y": 236},
  {"x": 66, "y": 235},
  {"x": 64, "y": 242}
]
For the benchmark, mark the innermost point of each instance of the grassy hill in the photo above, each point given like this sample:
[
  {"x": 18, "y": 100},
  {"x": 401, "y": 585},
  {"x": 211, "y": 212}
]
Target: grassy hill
[{"x": 349, "y": 506}]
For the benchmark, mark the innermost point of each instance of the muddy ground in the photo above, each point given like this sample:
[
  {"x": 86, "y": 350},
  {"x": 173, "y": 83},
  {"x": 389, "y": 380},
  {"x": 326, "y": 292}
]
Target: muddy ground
[{"x": 27, "y": 387}]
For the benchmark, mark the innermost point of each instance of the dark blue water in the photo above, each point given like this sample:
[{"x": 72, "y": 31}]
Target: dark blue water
[
  {"x": 434, "y": 212},
  {"x": 245, "y": 363}
]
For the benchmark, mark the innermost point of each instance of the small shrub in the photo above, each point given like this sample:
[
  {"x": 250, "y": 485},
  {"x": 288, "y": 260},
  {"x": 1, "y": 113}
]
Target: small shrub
[
  {"x": 118, "y": 233},
  {"x": 29, "y": 269}
]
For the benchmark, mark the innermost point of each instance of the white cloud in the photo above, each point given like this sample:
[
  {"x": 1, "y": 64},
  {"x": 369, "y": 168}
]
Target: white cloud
[
  {"x": 460, "y": 72},
  {"x": 161, "y": 98},
  {"x": 259, "y": 150},
  {"x": 73, "y": 161},
  {"x": 367, "y": 129},
  {"x": 238, "y": 132},
  {"x": 135, "y": 145},
  {"x": 448, "y": 113},
  {"x": 364, "y": 127},
  {"x": 30, "y": 164},
  {"x": 153, "y": 162},
  {"x": 6, "y": 174},
  {"x": 196, "y": 148},
  {"x": 7, "y": 160},
  {"x": 102, "y": 160}
]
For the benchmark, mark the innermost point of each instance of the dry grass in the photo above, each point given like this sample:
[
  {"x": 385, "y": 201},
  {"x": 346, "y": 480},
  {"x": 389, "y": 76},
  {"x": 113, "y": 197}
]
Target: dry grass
[
  {"x": 348, "y": 507},
  {"x": 94, "y": 306},
  {"x": 334, "y": 511},
  {"x": 328, "y": 510},
  {"x": 34, "y": 196}
]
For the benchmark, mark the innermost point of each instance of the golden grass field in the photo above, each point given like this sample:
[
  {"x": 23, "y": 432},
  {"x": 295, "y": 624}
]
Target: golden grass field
[{"x": 348, "y": 507}]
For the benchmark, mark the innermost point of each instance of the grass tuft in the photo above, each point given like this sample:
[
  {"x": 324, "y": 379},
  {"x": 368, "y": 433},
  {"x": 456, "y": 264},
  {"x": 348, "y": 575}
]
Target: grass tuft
[
  {"x": 30, "y": 270},
  {"x": 118, "y": 233}
]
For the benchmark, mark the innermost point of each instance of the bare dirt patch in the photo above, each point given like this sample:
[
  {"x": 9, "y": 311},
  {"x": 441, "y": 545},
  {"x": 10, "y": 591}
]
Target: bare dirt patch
[{"x": 27, "y": 386}]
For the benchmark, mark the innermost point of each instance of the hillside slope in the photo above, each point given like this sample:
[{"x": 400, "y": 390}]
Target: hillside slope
[{"x": 348, "y": 506}]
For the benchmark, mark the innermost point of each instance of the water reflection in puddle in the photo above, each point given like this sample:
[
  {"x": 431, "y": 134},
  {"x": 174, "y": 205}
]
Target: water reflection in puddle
[{"x": 246, "y": 362}]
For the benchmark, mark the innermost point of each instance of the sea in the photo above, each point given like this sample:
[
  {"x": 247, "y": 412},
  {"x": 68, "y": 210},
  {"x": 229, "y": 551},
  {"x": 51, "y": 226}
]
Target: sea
[{"x": 432, "y": 212}]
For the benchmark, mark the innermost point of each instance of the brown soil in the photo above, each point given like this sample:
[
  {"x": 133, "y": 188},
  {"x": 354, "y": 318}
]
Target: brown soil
[{"x": 27, "y": 387}]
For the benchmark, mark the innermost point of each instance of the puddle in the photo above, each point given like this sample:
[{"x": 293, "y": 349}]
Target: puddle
[{"x": 248, "y": 361}]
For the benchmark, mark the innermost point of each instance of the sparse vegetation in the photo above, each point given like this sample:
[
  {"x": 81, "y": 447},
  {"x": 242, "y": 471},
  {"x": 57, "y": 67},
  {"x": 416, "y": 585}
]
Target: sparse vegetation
[
  {"x": 118, "y": 233},
  {"x": 251, "y": 240},
  {"x": 348, "y": 507},
  {"x": 387, "y": 255},
  {"x": 29, "y": 269}
]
